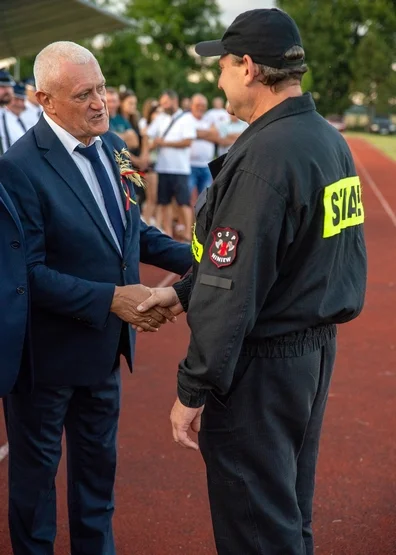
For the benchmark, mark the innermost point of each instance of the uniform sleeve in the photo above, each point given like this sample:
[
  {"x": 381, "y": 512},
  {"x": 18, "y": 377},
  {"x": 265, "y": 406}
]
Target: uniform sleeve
[
  {"x": 226, "y": 299},
  {"x": 183, "y": 290}
]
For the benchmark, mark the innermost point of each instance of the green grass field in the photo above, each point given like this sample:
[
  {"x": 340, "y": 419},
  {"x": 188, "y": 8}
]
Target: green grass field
[{"x": 387, "y": 144}]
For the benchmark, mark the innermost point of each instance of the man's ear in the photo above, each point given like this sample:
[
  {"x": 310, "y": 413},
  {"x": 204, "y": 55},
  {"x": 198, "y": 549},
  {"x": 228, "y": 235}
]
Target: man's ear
[
  {"x": 45, "y": 100},
  {"x": 251, "y": 69}
]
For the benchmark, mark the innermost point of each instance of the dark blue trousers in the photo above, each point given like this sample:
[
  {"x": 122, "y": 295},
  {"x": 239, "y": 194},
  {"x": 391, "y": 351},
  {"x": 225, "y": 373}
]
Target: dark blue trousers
[
  {"x": 260, "y": 445},
  {"x": 89, "y": 416}
]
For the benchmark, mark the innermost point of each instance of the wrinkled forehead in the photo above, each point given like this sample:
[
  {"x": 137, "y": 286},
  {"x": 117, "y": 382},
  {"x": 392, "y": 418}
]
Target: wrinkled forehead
[{"x": 75, "y": 76}]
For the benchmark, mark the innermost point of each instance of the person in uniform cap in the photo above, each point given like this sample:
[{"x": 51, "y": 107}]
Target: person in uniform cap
[
  {"x": 280, "y": 260},
  {"x": 6, "y": 92},
  {"x": 33, "y": 110},
  {"x": 13, "y": 125}
]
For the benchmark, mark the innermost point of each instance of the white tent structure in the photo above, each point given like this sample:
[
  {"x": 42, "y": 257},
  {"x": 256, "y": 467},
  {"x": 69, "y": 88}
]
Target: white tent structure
[{"x": 26, "y": 26}]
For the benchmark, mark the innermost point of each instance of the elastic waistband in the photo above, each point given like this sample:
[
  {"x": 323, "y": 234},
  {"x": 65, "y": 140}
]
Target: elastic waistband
[{"x": 294, "y": 344}]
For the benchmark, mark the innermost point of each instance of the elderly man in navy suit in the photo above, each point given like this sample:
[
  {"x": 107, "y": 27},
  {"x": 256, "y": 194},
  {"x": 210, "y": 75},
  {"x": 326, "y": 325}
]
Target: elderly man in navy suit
[
  {"x": 84, "y": 241},
  {"x": 14, "y": 302}
]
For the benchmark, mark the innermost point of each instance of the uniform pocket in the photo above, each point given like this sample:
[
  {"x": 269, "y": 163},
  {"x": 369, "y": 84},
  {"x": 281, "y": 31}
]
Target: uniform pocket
[{"x": 241, "y": 368}]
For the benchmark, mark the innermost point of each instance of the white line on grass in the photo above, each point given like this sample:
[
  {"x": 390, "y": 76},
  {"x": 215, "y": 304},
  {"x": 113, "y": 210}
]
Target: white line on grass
[
  {"x": 3, "y": 451},
  {"x": 373, "y": 186}
]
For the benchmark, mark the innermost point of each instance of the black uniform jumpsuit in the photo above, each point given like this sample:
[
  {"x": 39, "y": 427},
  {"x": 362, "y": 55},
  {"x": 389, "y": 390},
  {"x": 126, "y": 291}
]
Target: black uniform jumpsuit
[{"x": 280, "y": 259}]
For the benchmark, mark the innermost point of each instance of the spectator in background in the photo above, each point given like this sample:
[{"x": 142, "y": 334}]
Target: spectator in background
[
  {"x": 172, "y": 133},
  {"x": 117, "y": 123},
  {"x": 203, "y": 147},
  {"x": 185, "y": 104},
  {"x": 150, "y": 111},
  {"x": 217, "y": 115},
  {"x": 6, "y": 93},
  {"x": 139, "y": 155},
  {"x": 13, "y": 126},
  {"x": 128, "y": 110},
  {"x": 33, "y": 110},
  {"x": 229, "y": 132}
]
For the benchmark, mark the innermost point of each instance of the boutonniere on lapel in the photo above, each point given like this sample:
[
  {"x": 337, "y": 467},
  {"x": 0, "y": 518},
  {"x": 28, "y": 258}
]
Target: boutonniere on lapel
[{"x": 127, "y": 173}]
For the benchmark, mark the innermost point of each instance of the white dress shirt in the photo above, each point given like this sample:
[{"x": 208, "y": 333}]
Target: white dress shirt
[
  {"x": 11, "y": 129},
  {"x": 85, "y": 167},
  {"x": 31, "y": 114}
]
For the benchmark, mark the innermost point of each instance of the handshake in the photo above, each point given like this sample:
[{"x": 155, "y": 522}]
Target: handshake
[{"x": 146, "y": 309}]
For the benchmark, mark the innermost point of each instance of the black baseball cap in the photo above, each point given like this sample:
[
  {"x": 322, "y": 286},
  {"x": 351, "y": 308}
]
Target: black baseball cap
[{"x": 265, "y": 35}]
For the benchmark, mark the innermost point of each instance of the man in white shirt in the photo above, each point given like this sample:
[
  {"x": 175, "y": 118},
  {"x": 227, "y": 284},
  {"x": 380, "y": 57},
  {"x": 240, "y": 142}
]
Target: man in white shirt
[
  {"x": 33, "y": 110},
  {"x": 6, "y": 92},
  {"x": 217, "y": 115},
  {"x": 172, "y": 133},
  {"x": 229, "y": 133},
  {"x": 203, "y": 147},
  {"x": 13, "y": 126}
]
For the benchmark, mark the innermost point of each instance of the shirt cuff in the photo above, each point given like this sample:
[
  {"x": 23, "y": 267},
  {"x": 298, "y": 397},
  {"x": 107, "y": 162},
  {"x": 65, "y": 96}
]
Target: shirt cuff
[{"x": 191, "y": 399}]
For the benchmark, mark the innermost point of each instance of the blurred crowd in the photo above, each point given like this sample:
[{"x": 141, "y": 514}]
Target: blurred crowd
[{"x": 171, "y": 143}]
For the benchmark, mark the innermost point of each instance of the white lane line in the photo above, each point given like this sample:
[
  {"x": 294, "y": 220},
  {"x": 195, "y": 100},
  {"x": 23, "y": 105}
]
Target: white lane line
[
  {"x": 163, "y": 283},
  {"x": 167, "y": 280},
  {"x": 373, "y": 186},
  {"x": 3, "y": 451}
]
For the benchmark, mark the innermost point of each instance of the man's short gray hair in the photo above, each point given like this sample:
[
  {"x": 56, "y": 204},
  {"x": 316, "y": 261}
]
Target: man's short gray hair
[
  {"x": 277, "y": 79},
  {"x": 47, "y": 62}
]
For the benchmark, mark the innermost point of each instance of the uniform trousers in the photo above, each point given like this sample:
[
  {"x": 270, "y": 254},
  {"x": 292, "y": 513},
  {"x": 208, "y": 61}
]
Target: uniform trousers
[{"x": 260, "y": 444}]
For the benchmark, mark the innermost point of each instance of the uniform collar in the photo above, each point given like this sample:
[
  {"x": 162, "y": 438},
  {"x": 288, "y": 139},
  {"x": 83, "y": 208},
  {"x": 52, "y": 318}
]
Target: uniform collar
[{"x": 289, "y": 107}]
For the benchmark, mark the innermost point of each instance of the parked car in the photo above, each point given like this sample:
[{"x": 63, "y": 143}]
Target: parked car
[
  {"x": 382, "y": 126},
  {"x": 337, "y": 122}
]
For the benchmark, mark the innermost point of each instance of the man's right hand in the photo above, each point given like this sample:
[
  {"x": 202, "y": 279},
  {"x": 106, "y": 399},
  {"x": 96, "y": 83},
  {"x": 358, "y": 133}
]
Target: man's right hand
[
  {"x": 161, "y": 297},
  {"x": 125, "y": 302}
]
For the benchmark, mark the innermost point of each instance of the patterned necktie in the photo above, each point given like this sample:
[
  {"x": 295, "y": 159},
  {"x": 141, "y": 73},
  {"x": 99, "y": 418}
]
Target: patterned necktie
[{"x": 113, "y": 211}]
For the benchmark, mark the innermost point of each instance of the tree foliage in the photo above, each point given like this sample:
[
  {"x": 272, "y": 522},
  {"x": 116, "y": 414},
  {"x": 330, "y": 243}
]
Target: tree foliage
[
  {"x": 350, "y": 47},
  {"x": 157, "y": 53}
]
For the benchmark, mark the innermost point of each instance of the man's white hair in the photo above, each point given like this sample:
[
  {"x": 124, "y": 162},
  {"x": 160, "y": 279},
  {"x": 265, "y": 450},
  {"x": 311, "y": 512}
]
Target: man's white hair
[{"x": 47, "y": 63}]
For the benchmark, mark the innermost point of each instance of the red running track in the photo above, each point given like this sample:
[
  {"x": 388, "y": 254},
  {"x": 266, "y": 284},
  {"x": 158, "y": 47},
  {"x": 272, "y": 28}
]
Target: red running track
[{"x": 161, "y": 497}]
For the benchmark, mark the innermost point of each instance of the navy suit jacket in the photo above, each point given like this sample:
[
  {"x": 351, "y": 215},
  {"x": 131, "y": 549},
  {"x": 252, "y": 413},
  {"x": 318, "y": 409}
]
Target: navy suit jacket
[
  {"x": 14, "y": 296},
  {"x": 72, "y": 260}
]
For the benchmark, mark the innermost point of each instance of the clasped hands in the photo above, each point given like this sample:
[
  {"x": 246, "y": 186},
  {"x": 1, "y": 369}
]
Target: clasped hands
[{"x": 146, "y": 309}]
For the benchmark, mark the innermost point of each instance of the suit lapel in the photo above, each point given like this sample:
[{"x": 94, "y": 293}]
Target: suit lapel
[{"x": 58, "y": 157}]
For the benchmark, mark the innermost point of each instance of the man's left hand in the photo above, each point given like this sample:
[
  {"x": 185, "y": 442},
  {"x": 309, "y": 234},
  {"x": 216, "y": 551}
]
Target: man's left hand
[{"x": 183, "y": 419}]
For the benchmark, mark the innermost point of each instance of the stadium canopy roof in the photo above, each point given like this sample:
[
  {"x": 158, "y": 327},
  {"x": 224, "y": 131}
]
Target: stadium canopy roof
[{"x": 26, "y": 26}]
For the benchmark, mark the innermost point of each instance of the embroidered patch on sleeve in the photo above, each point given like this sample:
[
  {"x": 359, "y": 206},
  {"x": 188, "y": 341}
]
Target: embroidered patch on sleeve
[{"x": 223, "y": 250}]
